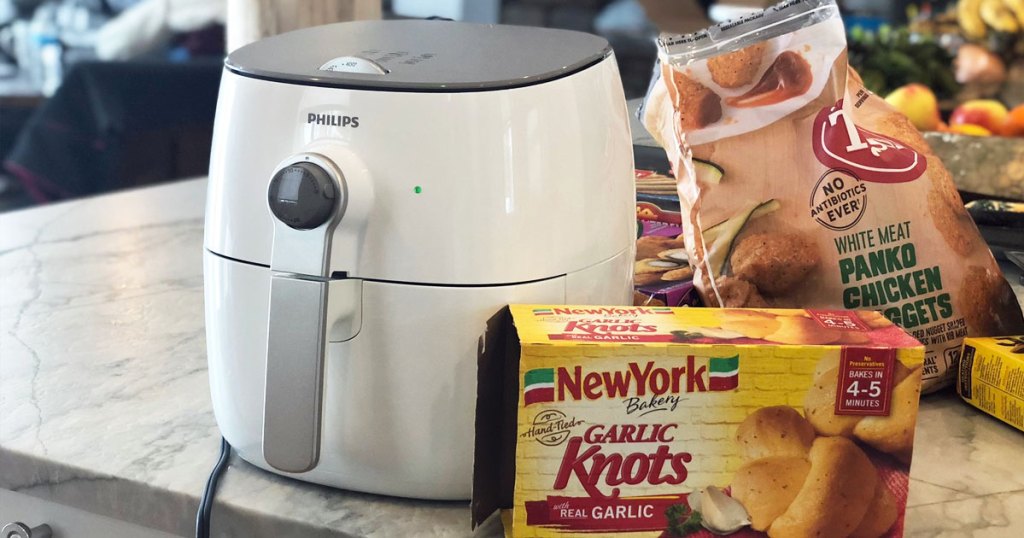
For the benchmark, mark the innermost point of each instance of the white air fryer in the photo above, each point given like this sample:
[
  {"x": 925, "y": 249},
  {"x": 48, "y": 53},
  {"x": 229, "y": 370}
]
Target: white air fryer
[{"x": 377, "y": 191}]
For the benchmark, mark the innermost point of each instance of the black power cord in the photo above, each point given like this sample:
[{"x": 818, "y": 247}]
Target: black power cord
[{"x": 206, "y": 502}]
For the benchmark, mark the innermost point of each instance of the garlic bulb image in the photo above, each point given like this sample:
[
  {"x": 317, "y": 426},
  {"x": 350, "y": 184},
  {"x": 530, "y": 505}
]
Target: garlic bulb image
[{"x": 720, "y": 513}]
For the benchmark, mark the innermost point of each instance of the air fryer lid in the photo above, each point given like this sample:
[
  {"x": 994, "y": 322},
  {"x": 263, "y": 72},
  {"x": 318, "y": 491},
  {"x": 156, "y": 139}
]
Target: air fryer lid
[{"x": 418, "y": 55}]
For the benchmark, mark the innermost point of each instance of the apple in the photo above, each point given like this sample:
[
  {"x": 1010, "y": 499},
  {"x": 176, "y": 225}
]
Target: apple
[
  {"x": 986, "y": 113},
  {"x": 918, "y": 103}
]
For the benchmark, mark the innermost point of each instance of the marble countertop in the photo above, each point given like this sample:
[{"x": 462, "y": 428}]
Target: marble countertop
[
  {"x": 104, "y": 398},
  {"x": 105, "y": 406}
]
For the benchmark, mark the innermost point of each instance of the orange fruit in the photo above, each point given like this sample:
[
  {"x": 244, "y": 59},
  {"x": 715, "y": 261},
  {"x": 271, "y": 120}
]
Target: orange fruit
[{"x": 1014, "y": 123}]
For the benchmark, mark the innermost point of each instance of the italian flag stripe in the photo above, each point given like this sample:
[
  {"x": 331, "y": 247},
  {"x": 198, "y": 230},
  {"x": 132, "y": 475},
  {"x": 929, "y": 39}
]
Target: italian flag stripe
[
  {"x": 723, "y": 373},
  {"x": 544, "y": 376},
  {"x": 539, "y": 385},
  {"x": 724, "y": 366},
  {"x": 535, "y": 395}
]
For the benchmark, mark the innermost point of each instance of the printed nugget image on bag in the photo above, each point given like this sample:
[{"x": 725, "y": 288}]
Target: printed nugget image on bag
[
  {"x": 676, "y": 422},
  {"x": 823, "y": 195}
]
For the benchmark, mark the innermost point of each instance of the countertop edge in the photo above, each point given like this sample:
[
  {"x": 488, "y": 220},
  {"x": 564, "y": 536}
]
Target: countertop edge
[{"x": 57, "y": 482}]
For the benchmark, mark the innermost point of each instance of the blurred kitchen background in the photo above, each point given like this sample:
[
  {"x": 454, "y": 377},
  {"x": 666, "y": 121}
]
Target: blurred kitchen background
[{"x": 101, "y": 95}]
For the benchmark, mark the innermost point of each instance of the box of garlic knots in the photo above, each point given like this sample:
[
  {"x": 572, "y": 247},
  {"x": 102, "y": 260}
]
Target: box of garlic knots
[{"x": 670, "y": 422}]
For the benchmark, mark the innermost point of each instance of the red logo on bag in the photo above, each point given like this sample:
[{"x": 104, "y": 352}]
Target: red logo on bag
[{"x": 838, "y": 143}]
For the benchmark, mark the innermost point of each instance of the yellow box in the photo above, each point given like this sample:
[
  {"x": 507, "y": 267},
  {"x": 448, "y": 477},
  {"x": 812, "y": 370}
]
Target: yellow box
[
  {"x": 611, "y": 421},
  {"x": 991, "y": 377}
]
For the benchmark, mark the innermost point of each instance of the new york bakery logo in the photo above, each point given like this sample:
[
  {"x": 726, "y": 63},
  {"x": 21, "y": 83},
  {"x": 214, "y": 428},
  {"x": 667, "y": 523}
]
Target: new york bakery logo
[
  {"x": 838, "y": 143},
  {"x": 604, "y": 323},
  {"x": 543, "y": 385},
  {"x": 601, "y": 311}
]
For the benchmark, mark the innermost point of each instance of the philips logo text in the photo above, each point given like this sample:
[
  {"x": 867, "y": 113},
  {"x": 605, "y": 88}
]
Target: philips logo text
[{"x": 333, "y": 120}]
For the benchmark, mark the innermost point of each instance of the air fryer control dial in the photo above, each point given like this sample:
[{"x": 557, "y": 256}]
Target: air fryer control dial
[{"x": 303, "y": 195}]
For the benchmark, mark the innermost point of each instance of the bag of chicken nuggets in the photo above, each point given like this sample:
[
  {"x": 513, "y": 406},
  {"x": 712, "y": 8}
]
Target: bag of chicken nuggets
[{"x": 800, "y": 188}]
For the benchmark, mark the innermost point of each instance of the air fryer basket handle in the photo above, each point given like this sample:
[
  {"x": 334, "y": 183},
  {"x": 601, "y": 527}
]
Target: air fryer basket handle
[
  {"x": 306, "y": 195},
  {"x": 318, "y": 210},
  {"x": 296, "y": 347}
]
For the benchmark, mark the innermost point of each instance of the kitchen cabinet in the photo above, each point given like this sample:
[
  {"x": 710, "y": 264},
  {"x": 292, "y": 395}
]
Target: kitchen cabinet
[{"x": 67, "y": 522}]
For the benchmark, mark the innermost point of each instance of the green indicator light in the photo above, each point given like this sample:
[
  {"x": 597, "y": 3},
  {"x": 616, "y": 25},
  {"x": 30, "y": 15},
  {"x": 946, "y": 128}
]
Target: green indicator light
[{"x": 417, "y": 189}]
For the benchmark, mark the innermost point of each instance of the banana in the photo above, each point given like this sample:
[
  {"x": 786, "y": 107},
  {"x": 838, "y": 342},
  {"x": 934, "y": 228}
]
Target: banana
[
  {"x": 968, "y": 14},
  {"x": 1017, "y": 7},
  {"x": 998, "y": 17}
]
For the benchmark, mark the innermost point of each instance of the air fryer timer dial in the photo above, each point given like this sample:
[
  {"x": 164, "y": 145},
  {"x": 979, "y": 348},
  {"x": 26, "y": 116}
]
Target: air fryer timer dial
[{"x": 303, "y": 195}]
